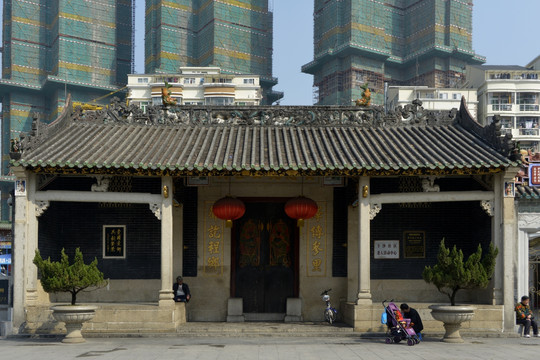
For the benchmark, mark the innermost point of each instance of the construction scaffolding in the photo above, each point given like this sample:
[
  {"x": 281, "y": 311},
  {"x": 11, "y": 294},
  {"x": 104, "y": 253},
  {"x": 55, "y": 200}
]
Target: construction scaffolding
[
  {"x": 233, "y": 35},
  {"x": 413, "y": 42},
  {"x": 51, "y": 48}
]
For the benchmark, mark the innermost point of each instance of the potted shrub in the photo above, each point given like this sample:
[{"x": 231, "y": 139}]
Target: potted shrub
[
  {"x": 451, "y": 274},
  {"x": 63, "y": 276}
]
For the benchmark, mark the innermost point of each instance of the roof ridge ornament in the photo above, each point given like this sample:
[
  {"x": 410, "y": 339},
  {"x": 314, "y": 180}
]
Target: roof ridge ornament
[
  {"x": 199, "y": 115},
  {"x": 491, "y": 133}
]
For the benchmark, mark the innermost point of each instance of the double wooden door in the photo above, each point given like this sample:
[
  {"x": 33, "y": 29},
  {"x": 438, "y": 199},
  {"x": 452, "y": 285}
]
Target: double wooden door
[{"x": 265, "y": 257}]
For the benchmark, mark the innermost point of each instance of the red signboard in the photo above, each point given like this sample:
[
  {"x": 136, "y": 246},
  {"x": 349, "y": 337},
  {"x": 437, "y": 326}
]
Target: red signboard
[{"x": 534, "y": 174}]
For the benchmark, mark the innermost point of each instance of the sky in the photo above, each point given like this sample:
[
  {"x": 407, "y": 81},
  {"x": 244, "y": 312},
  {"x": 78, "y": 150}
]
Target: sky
[{"x": 505, "y": 35}]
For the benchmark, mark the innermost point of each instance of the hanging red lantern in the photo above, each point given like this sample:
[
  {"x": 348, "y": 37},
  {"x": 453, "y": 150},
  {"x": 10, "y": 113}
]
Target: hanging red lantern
[
  {"x": 301, "y": 208},
  {"x": 229, "y": 209}
]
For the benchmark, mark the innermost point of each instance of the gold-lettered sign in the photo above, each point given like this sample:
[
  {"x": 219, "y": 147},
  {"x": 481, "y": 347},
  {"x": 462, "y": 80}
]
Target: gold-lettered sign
[
  {"x": 114, "y": 241},
  {"x": 414, "y": 244},
  {"x": 4, "y": 290},
  {"x": 315, "y": 230},
  {"x": 213, "y": 242}
]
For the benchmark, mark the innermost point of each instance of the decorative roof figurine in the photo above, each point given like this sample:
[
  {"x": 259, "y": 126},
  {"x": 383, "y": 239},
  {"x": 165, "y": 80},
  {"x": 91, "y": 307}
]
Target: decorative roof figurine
[
  {"x": 366, "y": 96},
  {"x": 166, "y": 95}
]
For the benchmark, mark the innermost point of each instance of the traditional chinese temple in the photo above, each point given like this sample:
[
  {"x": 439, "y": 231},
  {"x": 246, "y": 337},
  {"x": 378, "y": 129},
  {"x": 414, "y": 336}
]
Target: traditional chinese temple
[{"x": 224, "y": 196}]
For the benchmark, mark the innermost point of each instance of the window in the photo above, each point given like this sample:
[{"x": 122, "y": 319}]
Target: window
[
  {"x": 221, "y": 80},
  {"x": 219, "y": 100},
  {"x": 426, "y": 96},
  {"x": 443, "y": 96},
  {"x": 142, "y": 80},
  {"x": 456, "y": 96},
  {"x": 157, "y": 101},
  {"x": 528, "y": 101},
  {"x": 249, "y": 81},
  {"x": 143, "y": 105},
  {"x": 189, "y": 80}
]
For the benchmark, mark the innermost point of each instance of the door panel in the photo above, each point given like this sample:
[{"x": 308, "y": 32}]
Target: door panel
[{"x": 265, "y": 259}]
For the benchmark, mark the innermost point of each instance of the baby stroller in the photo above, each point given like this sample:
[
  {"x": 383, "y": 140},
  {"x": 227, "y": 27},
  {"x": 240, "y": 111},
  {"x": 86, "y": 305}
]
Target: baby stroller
[{"x": 398, "y": 327}]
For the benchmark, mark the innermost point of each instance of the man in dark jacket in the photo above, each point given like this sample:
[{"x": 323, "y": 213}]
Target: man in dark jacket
[
  {"x": 181, "y": 290},
  {"x": 416, "y": 321}
]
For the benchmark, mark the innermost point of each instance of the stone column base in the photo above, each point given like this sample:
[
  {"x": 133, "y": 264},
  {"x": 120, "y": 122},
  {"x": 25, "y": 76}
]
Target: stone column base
[
  {"x": 294, "y": 310},
  {"x": 235, "y": 310}
]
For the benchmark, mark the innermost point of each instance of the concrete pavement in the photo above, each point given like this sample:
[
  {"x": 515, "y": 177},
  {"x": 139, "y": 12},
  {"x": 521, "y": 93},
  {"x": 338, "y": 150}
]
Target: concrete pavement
[{"x": 271, "y": 348}]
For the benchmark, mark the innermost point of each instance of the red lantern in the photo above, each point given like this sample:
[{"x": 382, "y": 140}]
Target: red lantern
[
  {"x": 301, "y": 208},
  {"x": 229, "y": 209}
]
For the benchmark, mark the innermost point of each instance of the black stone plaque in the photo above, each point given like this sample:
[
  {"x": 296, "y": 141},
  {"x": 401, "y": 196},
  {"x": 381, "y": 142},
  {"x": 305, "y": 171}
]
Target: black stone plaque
[
  {"x": 114, "y": 241},
  {"x": 414, "y": 244}
]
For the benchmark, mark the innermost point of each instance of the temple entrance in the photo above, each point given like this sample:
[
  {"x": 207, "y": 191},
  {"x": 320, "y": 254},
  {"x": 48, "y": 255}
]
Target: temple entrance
[{"x": 264, "y": 257}]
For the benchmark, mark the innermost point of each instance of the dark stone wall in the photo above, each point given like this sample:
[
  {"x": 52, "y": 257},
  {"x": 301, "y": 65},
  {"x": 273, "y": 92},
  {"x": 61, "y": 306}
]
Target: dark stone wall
[
  {"x": 464, "y": 224},
  {"x": 72, "y": 225},
  {"x": 340, "y": 232}
]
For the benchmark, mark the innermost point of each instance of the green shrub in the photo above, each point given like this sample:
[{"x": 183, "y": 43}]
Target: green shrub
[
  {"x": 452, "y": 273},
  {"x": 61, "y": 276}
]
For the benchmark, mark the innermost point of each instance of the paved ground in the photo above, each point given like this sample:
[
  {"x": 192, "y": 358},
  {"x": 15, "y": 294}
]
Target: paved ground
[{"x": 271, "y": 348}]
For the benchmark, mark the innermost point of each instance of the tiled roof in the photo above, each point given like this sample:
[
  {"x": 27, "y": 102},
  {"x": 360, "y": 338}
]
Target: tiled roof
[
  {"x": 206, "y": 149},
  {"x": 525, "y": 192},
  {"x": 266, "y": 141}
]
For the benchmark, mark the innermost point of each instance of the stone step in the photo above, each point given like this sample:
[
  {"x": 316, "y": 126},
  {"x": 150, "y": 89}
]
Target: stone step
[
  {"x": 265, "y": 329},
  {"x": 246, "y": 329}
]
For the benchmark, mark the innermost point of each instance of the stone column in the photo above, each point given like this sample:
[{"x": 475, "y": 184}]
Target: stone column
[
  {"x": 364, "y": 242},
  {"x": 33, "y": 211},
  {"x": 18, "y": 256},
  {"x": 166, "y": 293},
  {"x": 509, "y": 246},
  {"x": 497, "y": 238}
]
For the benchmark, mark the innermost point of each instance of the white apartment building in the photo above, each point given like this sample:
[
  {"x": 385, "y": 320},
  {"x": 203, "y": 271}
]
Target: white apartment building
[
  {"x": 195, "y": 86},
  {"x": 512, "y": 92},
  {"x": 432, "y": 98}
]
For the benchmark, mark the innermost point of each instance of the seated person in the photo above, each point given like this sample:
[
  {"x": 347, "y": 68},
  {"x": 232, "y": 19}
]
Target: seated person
[
  {"x": 181, "y": 290},
  {"x": 525, "y": 317},
  {"x": 412, "y": 314}
]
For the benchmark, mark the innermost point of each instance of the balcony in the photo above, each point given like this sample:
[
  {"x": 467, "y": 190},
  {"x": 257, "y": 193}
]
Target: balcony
[
  {"x": 528, "y": 107},
  {"x": 501, "y": 107},
  {"x": 528, "y": 132},
  {"x": 522, "y": 134}
]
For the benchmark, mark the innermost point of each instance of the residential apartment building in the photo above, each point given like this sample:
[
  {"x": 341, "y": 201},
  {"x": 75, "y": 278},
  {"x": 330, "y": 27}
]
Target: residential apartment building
[
  {"x": 513, "y": 92},
  {"x": 54, "y": 48},
  {"x": 413, "y": 42},
  {"x": 195, "y": 86},
  {"x": 432, "y": 98},
  {"x": 236, "y": 36}
]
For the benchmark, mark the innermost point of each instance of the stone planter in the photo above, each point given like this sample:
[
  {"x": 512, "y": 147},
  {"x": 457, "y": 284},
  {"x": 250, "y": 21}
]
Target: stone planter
[
  {"x": 452, "y": 317},
  {"x": 73, "y": 316}
]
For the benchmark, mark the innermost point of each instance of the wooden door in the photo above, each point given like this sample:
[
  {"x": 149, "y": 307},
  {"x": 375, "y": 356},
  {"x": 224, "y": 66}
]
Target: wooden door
[{"x": 265, "y": 258}]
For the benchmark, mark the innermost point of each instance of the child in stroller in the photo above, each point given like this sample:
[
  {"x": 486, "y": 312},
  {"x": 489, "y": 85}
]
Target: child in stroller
[{"x": 398, "y": 327}]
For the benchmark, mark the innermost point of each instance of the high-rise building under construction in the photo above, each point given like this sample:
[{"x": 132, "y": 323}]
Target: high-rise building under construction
[
  {"x": 402, "y": 42},
  {"x": 236, "y": 36},
  {"x": 54, "y": 48}
]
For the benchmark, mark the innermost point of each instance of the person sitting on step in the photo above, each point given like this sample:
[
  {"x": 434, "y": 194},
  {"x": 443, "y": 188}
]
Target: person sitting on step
[
  {"x": 181, "y": 290},
  {"x": 525, "y": 317}
]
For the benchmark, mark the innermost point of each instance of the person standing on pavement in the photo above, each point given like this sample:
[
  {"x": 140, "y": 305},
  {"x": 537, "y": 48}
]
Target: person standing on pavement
[
  {"x": 416, "y": 321},
  {"x": 524, "y": 316}
]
